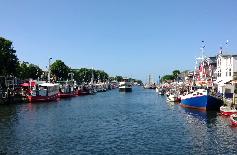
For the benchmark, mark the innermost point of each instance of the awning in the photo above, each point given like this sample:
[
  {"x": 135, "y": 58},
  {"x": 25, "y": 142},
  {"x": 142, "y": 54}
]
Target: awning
[{"x": 32, "y": 84}]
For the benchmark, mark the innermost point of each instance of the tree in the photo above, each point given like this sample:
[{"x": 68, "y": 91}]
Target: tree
[
  {"x": 167, "y": 78},
  {"x": 26, "y": 71},
  {"x": 60, "y": 70},
  {"x": 85, "y": 75},
  {"x": 119, "y": 78},
  {"x": 176, "y": 73},
  {"x": 34, "y": 71},
  {"x": 8, "y": 58}
]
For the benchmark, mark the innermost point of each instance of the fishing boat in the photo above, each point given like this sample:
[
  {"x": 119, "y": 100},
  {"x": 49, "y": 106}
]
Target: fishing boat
[
  {"x": 150, "y": 84},
  {"x": 233, "y": 119},
  {"x": 173, "y": 98},
  {"x": 67, "y": 89},
  {"x": 125, "y": 85},
  {"x": 201, "y": 100},
  {"x": 227, "y": 111},
  {"x": 43, "y": 92},
  {"x": 161, "y": 91}
]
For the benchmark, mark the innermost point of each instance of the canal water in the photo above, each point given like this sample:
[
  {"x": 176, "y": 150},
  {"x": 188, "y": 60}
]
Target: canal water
[{"x": 113, "y": 122}]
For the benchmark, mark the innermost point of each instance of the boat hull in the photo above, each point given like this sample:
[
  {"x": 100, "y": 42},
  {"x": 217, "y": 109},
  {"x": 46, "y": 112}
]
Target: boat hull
[
  {"x": 125, "y": 89},
  {"x": 227, "y": 111},
  {"x": 42, "y": 98},
  {"x": 233, "y": 119},
  {"x": 67, "y": 95},
  {"x": 204, "y": 102}
]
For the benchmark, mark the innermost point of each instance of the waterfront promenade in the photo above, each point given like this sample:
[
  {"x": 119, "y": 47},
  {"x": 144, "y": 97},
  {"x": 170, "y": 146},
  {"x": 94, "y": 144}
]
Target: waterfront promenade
[{"x": 113, "y": 122}]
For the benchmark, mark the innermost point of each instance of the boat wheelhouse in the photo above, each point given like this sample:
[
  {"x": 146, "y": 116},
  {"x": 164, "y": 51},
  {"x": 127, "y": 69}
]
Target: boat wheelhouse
[
  {"x": 43, "y": 92},
  {"x": 66, "y": 89}
]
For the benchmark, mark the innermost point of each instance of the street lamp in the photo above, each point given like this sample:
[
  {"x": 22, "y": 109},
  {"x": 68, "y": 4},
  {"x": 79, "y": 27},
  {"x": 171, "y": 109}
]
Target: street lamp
[
  {"x": 49, "y": 70},
  {"x": 71, "y": 75}
]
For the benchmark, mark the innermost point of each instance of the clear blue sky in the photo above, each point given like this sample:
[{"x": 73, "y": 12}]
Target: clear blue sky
[{"x": 122, "y": 37}]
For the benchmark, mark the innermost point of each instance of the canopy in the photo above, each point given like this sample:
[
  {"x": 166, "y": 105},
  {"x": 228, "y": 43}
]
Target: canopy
[{"x": 32, "y": 84}]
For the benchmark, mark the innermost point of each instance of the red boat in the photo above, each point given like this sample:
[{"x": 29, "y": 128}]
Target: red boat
[
  {"x": 85, "y": 90},
  {"x": 227, "y": 111},
  {"x": 44, "y": 92},
  {"x": 67, "y": 89},
  {"x": 68, "y": 94},
  {"x": 233, "y": 119}
]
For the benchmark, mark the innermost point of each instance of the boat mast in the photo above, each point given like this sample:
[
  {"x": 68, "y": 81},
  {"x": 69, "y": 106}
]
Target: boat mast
[
  {"x": 149, "y": 80},
  {"x": 49, "y": 70},
  {"x": 92, "y": 76}
]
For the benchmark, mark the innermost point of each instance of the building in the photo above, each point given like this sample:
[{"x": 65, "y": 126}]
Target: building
[{"x": 226, "y": 72}]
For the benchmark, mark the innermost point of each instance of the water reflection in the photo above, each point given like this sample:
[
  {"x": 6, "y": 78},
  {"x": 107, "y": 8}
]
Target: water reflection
[{"x": 209, "y": 117}]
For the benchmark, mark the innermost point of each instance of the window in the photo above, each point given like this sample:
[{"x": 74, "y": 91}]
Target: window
[{"x": 230, "y": 72}]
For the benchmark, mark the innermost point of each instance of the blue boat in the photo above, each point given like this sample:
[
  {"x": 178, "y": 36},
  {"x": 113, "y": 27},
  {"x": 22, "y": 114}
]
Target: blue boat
[{"x": 201, "y": 100}]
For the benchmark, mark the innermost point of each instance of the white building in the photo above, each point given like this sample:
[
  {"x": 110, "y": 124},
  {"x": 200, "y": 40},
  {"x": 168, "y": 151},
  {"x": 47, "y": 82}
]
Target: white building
[{"x": 226, "y": 71}]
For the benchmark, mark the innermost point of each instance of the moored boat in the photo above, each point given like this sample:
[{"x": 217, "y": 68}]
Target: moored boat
[
  {"x": 201, "y": 100},
  {"x": 227, "y": 111},
  {"x": 233, "y": 119},
  {"x": 150, "y": 84},
  {"x": 173, "y": 98},
  {"x": 44, "y": 92},
  {"x": 67, "y": 89}
]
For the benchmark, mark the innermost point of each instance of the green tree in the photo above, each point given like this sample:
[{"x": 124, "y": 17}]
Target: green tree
[
  {"x": 8, "y": 58},
  {"x": 60, "y": 70},
  {"x": 26, "y": 71},
  {"x": 22, "y": 70},
  {"x": 167, "y": 78},
  {"x": 34, "y": 71},
  {"x": 85, "y": 75},
  {"x": 119, "y": 78},
  {"x": 176, "y": 73}
]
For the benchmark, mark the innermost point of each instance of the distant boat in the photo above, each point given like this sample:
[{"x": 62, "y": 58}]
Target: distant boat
[
  {"x": 201, "y": 100},
  {"x": 150, "y": 84},
  {"x": 125, "y": 85}
]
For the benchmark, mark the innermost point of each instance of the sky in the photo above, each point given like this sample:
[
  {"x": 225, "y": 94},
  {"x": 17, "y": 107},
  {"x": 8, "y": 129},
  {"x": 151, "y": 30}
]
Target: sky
[{"x": 132, "y": 38}]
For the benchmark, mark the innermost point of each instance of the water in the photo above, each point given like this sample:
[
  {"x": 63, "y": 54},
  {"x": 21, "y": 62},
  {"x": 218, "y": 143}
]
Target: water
[{"x": 113, "y": 122}]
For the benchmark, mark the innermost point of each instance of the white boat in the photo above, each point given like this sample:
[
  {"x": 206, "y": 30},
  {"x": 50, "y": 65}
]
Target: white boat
[
  {"x": 227, "y": 111},
  {"x": 125, "y": 85},
  {"x": 173, "y": 98},
  {"x": 151, "y": 84}
]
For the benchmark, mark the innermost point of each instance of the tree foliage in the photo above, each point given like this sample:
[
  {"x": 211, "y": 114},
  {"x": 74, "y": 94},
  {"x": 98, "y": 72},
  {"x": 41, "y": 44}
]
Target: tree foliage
[
  {"x": 60, "y": 70},
  {"x": 26, "y": 71},
  {"x": 8, "y": 58},
  {"x": 171, "y": 77},
  {"x": 167, "y": 78},
  {"x": 176, "y": 73},
  {"x": 85, "y": 75}
]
